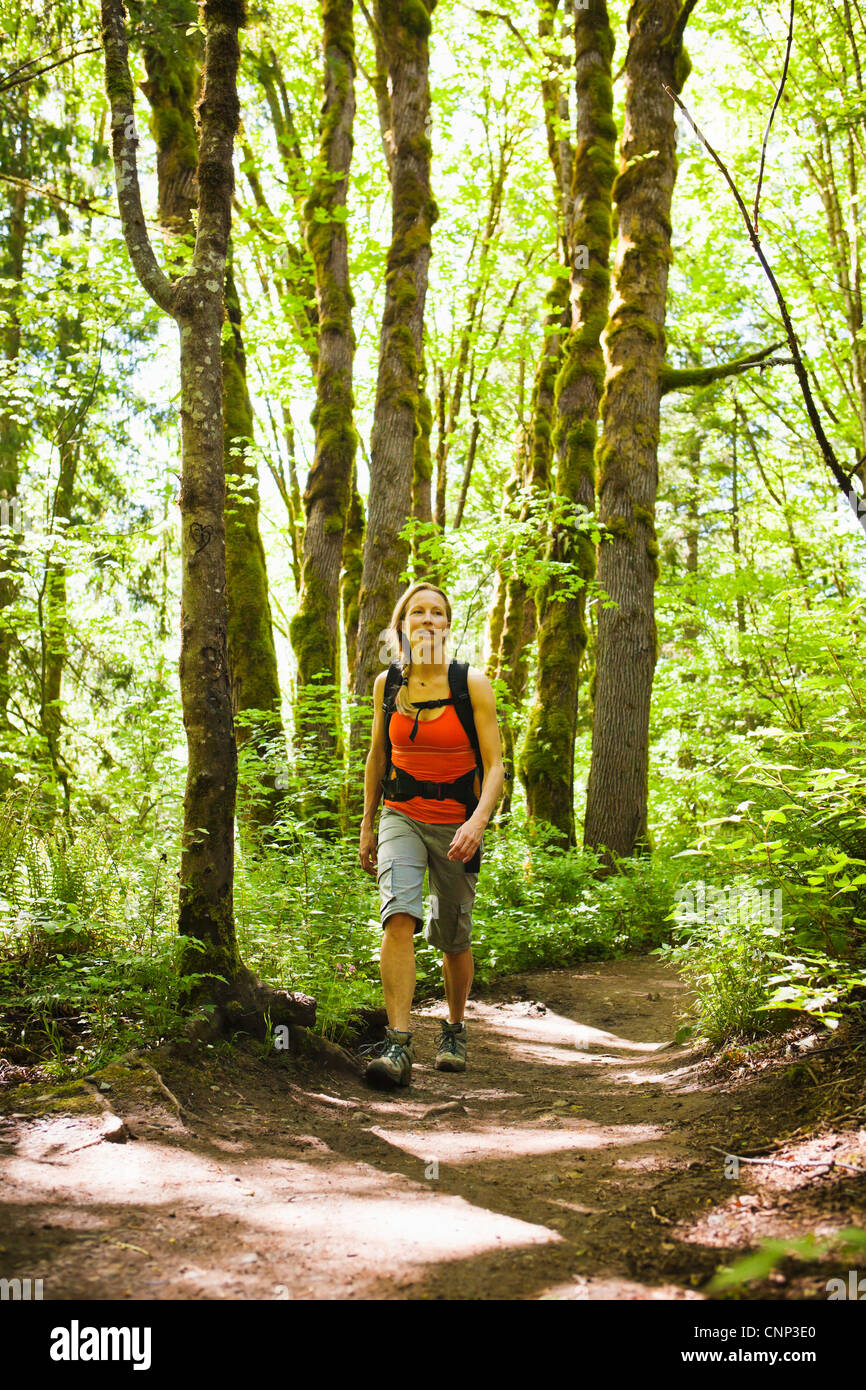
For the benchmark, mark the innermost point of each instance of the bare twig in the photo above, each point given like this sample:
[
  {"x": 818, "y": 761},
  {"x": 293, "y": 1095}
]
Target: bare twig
[
  {"x": 772, "y": 114},
  {"x": 827, "y": 450},
  {"x": 507, "y": 20},
  {"x": 793, "y": 1162}
]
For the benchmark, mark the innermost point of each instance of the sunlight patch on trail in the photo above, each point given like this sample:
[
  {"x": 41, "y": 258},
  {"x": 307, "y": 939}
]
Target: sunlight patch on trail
[
  {"x": 517, "y": 1141},
  {"x": 559, "y": 1032}
]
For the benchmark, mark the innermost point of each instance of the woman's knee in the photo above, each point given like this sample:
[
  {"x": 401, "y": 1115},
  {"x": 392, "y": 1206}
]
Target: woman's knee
[{"x": 400, "y": 926}]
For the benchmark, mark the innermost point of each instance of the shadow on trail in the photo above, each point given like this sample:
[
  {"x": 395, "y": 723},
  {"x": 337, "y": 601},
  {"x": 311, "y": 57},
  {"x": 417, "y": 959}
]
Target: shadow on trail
[{"x": 572, "y": 1160}]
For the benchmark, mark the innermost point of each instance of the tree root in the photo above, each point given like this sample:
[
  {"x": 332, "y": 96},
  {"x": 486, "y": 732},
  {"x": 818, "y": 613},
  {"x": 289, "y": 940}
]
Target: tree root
[{"x": 248, "y": 1005}]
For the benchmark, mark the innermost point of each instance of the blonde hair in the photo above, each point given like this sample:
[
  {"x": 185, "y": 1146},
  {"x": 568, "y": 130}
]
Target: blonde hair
[{"x": 401, "y": 642}]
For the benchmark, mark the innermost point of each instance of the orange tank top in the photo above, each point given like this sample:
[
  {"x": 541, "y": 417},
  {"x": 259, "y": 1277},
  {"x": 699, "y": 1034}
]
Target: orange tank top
[{"x": 440, "y": 752}]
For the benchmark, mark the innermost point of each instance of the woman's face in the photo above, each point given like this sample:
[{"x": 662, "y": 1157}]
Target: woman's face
[{"x": 426, "y": 625}]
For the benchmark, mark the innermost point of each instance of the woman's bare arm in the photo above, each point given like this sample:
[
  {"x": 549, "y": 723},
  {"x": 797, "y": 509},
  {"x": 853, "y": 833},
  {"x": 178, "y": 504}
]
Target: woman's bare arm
[{"x": 487, "y": 727}]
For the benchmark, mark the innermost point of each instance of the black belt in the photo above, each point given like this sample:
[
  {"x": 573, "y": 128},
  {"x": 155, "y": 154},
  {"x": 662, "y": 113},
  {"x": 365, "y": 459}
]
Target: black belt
[{"x": 402, "y": 786}]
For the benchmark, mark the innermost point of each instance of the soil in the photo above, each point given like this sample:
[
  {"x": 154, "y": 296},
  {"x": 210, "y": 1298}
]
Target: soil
[{"x": 581, "y": 1156}]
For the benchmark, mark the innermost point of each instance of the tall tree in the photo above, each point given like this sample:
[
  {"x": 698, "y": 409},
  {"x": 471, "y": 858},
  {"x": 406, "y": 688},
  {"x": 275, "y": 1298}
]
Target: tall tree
[
  {"x": 616, "y": 812},
  {"x": 195, "y": 301},
  {"x": 11, "y": 430},
  {"x": 353, "y": 562},
  {"x": 519, "y": 608},
  {"x": 172, "y": 60},
  {"x": 315, "y": 629},
  {"x": 53, "y": 588},
  {"x": 404, "y": 28},
  {"x": 206, "y": 922},
  {"x": 547, "y": 758}
]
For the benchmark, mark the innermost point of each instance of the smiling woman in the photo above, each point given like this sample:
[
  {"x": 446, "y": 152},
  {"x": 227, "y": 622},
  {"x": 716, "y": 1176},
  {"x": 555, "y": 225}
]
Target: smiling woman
[{"x": 435, "y": 760}]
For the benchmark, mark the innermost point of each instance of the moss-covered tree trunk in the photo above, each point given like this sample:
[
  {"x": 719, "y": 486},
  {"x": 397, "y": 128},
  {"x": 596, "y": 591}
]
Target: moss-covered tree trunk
[
  {"x": 518, "y": 619},
  {"x": 53, "y": 598},
  {"x": 616, "y": 812},
  {"x": 547, "y": 758},
  {"x": 422, "y": 480},
  {"x": 172, "y": 60},
  {"x": 210, "y": 959},
  {"x": 405, "y": 29},
  {"x": 315, "y": 629},
  {"x": 206, "y": 919},
  {"x": 519, "y": 606},
  {"x": 11, "y": 432},
  {"x": 353, "y": 563},
  {"x": 255, "y": 685}
]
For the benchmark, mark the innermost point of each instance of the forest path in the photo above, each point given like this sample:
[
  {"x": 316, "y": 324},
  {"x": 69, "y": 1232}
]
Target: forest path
[{"x": 573, "y": 1160}]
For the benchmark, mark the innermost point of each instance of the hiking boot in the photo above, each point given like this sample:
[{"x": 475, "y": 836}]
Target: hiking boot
[
  {"x": 451, "y": 1055},
  {"x": 391, "y": 1060}
]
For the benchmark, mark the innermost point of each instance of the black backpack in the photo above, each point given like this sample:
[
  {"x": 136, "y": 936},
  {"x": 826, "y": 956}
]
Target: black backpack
[{"x": 399, "y": 785}]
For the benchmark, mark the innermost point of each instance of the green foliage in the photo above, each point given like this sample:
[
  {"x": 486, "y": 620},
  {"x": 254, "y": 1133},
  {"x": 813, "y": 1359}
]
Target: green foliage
[
  {"x": 772, "y": 1253},
  {"x": 802, "y": 831},
  {"x": 539, "y": 906}
]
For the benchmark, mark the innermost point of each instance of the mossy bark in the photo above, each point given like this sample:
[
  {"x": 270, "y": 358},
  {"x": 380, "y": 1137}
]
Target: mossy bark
[
  {"x": 497, "y": 629},
  {"x": 195, "y": 301},
  {"x": 405, "y": 27},
  {"x": 519, "y": 617},
  {"x": 547, "y": 758},
  {"x": 172, "y": 59},
  {"x": 353, "y": 562},
  {"x": 554, "y": 97},
  {"x": 422, "y": 479},
  {"x": 255, "y": 686},
  {"x": 616, "y": 812},
  {"x": 315, "y": 627},
  {"x": 12, "y": 433},
  {"x": 53, "y": 606}
]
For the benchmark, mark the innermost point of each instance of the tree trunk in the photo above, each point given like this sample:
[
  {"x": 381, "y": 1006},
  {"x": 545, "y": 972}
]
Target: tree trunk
[
  {"x": 11, "y": 432},
  {"x": 255, "y": 686},
  {"x": 405, "y": 27},
  {"x": 616, "y": 813},
  {"x": 353, "y": 561},
  {"x": 206, "y": 917},
  {"x": 547, "y": 759},
  {"x": 172, "y": 63},
  {"x": 691, "y": 449},
  {"x": 315, "y": 627},
  {"x": 422, "y": 485},
  {"x": 519, "y": 615},
  {"x": 54, "y": 620}
]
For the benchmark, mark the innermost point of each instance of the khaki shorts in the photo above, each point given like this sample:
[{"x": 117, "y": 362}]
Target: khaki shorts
[{"x": 407, "y": 847}]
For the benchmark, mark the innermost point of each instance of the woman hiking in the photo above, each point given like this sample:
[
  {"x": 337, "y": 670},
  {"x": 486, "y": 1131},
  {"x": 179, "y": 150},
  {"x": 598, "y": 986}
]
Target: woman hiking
[{"x": 437, "y": 825}]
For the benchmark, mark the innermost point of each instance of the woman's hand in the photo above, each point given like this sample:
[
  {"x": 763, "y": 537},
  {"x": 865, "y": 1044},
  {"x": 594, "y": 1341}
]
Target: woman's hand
[
  {"x": 466, "y": 840},
  {"x": 367, "y": 850}
]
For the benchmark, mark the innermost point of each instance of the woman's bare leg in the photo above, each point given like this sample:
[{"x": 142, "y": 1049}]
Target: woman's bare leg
[
  {"x": 397, "y": 967},
  {"x": 458, "y": 970}
]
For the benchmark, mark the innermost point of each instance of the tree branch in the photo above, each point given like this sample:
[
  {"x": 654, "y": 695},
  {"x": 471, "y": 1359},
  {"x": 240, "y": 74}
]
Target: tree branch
[
  {"x": 827, "y": 451},
  {"x": 772, "y": 114},
  {"x": 124, "y": 138},
  {"x": 677, "y": 379},
  {"x": 682, "y": 20}
]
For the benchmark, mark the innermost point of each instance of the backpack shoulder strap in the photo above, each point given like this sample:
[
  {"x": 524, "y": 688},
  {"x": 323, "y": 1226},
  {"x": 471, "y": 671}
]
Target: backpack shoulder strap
[
  {"x": 393, "y": 681},
  {"x": 458, "y": 684}
]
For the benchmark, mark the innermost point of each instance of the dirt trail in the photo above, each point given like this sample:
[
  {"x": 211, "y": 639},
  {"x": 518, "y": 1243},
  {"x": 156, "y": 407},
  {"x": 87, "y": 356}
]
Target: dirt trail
[{"x": 573, "y": 1160}]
